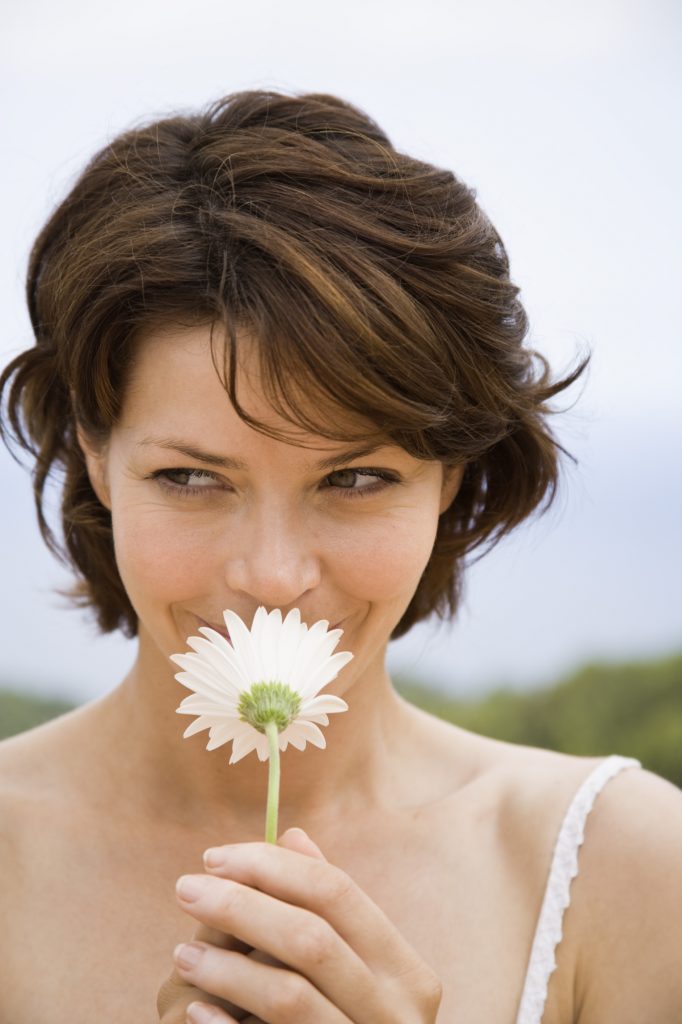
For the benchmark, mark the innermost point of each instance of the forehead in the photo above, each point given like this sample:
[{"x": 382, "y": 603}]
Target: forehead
[{"x": 176, "y": 381}]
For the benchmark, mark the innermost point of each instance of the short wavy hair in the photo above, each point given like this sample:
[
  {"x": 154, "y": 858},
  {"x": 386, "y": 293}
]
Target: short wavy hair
[{"x": 371, "y": 279}]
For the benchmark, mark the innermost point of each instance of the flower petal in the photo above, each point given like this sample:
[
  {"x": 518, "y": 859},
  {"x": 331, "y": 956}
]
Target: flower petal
[
  {"x": 293, "y": 637},
  {"x": 197, "y": 705},
  {"x": 316, "y": 648},
  {"x": 320, "y": 719},
  {"x": 324, "y": 674},
  {"x": 199, "y": 670},
  {"x": 213, "y": 720},
  {"x": 243, "y": 745},
  {"x": 223, "y": 734},
  {"x": 294, "y": 736},
  {"x": 268, "y": 643},
  {"x": 308, "y": 731},
  {"x": 243, "y": 645},
  {"x": 328, "y": 703},
  {"x": 198, "y": 725},
  {"x": 259, "y": 642},
  {"x": 262, "y": 747},
  {"x": 215, "y": 649}
]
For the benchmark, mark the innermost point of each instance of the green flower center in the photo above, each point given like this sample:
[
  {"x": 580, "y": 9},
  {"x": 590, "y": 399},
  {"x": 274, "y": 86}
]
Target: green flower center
[{"x": 269, "y": 702}]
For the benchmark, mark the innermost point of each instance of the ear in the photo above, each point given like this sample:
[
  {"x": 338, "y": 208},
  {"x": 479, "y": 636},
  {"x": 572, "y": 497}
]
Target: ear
[
  {"x": 95, "y": 456},
  {"x": 452, "y": 481}
]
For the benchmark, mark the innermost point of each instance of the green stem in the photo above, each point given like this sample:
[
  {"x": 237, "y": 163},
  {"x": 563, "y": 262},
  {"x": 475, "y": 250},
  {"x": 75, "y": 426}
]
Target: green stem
[{"x": 273, "y": 783}]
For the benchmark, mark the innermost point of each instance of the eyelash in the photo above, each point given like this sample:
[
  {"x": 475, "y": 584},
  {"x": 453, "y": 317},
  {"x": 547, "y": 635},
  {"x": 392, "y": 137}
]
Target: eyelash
[{"x": 162, "y": 475}]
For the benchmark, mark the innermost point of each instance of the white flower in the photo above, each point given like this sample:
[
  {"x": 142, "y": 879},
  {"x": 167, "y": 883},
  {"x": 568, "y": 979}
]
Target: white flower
[{"x": 271, "y": 673}]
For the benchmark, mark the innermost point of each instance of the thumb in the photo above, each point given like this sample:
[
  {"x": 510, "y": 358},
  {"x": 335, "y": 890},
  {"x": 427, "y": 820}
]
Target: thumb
[{"x": 298, "y": 840}]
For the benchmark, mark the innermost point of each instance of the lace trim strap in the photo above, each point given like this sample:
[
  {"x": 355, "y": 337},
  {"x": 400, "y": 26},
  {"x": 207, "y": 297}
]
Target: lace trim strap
[{"x": 557, "y": 897}]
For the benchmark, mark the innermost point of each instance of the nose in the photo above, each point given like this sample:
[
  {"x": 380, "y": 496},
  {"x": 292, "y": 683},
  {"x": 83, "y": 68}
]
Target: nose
[{"x": 272, "y": 558}]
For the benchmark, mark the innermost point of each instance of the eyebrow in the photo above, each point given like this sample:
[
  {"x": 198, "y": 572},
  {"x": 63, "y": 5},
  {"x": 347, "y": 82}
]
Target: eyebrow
[{"x": 226, "y": 462}]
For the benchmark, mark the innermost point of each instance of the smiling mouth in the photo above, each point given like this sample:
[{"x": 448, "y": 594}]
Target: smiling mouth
[
  {"x": 219, "y": 629},
  {"x": 225, "y": 633}
]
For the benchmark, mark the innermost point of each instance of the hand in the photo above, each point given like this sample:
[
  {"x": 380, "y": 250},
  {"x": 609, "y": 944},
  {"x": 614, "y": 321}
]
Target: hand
[
  {"x": 335, "y": 956},
  {"x": 176, "y": 994}
]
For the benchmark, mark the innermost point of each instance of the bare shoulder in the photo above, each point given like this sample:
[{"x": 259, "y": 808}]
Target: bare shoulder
[
  {"x": 35, "y": 769},
  {"x": 30, "y": 759},
  {"x": 529, "y": 773},
  {"x": 627, "y": 904},
  {"x": 619, "y": 960},
  {"x": 25, "y": 785},
  {"x": 41, "y": 786},
  {"x": 529, "y": 786},
  {"x": 533, "y": 789}
]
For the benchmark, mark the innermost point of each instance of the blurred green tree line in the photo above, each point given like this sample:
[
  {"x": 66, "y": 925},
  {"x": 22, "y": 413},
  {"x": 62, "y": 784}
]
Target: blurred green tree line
[{"x": 632, "y": 708}]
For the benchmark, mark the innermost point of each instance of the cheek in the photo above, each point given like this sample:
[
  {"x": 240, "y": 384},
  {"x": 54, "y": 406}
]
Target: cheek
[
  {"x": 166, "y": 554},
  {"x": 389, "y": 559},
  {"x": 157, "y": 554}
]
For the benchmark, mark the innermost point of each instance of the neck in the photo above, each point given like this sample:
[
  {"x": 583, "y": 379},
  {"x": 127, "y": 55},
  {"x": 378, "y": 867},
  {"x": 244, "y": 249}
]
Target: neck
[{"x": 183, "y": 781}]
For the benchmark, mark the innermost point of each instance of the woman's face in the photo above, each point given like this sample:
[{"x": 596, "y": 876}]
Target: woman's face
[{"x": 208, "y": 514}]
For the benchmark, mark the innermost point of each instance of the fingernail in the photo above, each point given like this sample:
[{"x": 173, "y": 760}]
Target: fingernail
[
  {"x": 199, "y": 1013},
  {"x": 190, "y": 888},
  {"x": 214, "y": 857},
  {"x": 187, "y": 955}
]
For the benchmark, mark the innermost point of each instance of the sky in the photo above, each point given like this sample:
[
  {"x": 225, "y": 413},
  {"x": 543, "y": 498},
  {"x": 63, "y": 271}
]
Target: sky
[{"x": 563, "y": 117}]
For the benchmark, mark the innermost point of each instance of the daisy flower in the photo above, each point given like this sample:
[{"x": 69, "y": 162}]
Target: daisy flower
[{"x": 259, "y": 689}]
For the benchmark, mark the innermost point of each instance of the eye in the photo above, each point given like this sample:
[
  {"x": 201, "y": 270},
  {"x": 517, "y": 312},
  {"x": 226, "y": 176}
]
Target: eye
[
  {"x": 179, "y": 485},
  {"x": 177, "y": 482},
  {"x": 345, "y": 478}
]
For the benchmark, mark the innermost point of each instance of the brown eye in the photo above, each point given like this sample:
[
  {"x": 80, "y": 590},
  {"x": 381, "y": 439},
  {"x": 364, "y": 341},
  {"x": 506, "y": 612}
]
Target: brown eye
[
  {"x": 183, "y": 476},
  {"x": 178, "y": 481},
  {"x": 344, "y": 477},
  {"x": 343, "y": 480}
]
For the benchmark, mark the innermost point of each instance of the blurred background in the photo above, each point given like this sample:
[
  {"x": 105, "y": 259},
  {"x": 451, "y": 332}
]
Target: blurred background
[{"x": 562, "y": 117}]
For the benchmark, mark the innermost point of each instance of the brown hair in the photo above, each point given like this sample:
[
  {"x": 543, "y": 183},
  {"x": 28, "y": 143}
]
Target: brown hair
[{"x": 372, "y": 279}]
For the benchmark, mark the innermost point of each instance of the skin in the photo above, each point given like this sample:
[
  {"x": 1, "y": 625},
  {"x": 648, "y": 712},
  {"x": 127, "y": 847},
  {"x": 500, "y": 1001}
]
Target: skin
[
  {"x": 349, "y": 962},
  {"x": 431, "y": 845},
  {"x": 281, "y": 533}
]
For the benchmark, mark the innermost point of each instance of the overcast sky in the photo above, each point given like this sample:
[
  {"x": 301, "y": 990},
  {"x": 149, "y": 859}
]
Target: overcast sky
[{"x": 564, "y": 117}]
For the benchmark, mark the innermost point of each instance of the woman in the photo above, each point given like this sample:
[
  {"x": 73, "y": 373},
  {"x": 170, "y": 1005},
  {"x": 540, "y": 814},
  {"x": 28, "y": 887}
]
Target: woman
[{"x": 281, "y": 364}]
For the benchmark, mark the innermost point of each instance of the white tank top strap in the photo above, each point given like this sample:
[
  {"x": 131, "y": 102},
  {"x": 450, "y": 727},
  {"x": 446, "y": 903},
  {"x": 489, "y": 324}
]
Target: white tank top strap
[{"x": 557, "y": 894}]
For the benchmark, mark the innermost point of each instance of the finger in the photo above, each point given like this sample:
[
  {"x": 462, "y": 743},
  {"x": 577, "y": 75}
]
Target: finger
[
  {"x": 325, "y": 890},
  {"x": 298, "y": 840},
  {"x": 300, "y": 939},
  {"x": 223, "y": 940},
  {"x": 214, "y": 937},
  {"x": 175, "y": 995},
  {"x": 207, "y": 1013},
  {"x": 272, "y": 993}
]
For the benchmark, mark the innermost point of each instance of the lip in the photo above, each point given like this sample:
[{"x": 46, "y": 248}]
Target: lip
[{"x": 219, "y": 629}]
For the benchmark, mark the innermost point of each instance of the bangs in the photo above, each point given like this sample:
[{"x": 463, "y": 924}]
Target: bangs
[{"x": 332, "y": 359}]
